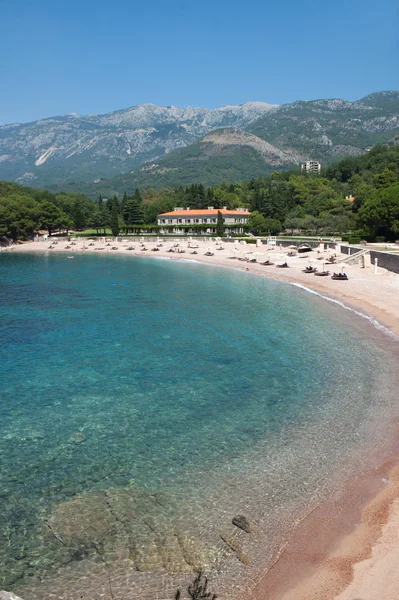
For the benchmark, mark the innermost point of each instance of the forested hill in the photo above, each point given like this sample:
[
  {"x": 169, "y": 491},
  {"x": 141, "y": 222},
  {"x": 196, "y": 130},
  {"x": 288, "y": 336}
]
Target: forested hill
[{"x": 291, "y": 200}]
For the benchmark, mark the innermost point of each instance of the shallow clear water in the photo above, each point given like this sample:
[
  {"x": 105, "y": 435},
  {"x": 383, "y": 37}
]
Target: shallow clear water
[{"x": 228, "y": 393}]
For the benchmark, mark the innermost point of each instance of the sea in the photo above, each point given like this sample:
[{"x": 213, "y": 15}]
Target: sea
[{"x": 145, "y": 404}]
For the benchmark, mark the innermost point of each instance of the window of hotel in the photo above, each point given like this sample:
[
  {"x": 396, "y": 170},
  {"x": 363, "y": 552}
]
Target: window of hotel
[
  {"x": 188, "y": 220},
  {"x": 213, "y": 220},
  {"x": 170, "y": 221},
  {"x": 163, "y": 221},
  {"x": 179, "y": 221},
  {"x": 197, "y": 220},
  {"x": 205, "y": 220}
]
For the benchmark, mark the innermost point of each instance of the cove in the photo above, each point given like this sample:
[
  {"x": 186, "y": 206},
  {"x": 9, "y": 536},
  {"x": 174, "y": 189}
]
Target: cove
[{"x": 178, "y": 393}]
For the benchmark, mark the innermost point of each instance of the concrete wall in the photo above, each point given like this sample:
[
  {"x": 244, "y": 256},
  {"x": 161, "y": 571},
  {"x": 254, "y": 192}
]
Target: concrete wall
[
  {"x": 349, "y": 250},
  {"x": 385, "y": 259},
  {"x": 286, "y": 243}
]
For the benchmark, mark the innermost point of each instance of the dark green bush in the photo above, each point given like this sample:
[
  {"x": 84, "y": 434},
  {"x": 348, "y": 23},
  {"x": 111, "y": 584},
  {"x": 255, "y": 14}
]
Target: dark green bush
[
  {"x": 380, "y": 239},
  {"x": 354, "y": 240}
]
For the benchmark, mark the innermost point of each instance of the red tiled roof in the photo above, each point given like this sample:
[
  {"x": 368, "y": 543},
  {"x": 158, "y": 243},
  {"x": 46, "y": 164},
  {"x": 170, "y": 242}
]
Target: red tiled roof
[{"x": 204, "y": 212}]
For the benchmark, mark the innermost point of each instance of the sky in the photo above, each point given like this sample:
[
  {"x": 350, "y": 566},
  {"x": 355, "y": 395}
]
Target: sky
[{"x": 59, "y": 57}]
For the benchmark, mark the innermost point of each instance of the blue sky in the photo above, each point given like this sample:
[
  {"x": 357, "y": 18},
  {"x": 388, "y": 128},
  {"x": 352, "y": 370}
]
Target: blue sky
[{"x": 59, "y": 57}]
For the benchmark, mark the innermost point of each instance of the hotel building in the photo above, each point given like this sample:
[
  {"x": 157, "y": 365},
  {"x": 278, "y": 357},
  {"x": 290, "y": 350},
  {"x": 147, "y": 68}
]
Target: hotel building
[{"x": 191, "y": 220}]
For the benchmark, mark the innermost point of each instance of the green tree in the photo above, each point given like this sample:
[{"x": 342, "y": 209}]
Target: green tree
[
  {"x": 52, "y": 218},
  {"x": 220, "y": 225},
  {"x": 19, "y": 216},
  {"x": 380, "y": 214},
  {"x": 114, "y": 221},
  {"x": 257, "y": 223},
  {"x": 272, "y": 226},
  {"x": 78, "y": 215}
]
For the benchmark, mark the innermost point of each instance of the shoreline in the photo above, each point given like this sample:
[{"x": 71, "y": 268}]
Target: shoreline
[
  {"x": 347, "y": 556},
  {"x": 330, "y": 555},
  {"x": 373, "y": 295}
]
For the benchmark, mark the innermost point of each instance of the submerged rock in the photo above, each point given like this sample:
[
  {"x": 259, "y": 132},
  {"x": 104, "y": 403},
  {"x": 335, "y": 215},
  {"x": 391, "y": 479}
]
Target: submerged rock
[
  {"x": 121, "y": 522},
  {"x": 78, "y": 437},
  {"x": 244, "y": 524},
  {"x": 234, "y": 545},
  {"x": 8, "y": 596}
]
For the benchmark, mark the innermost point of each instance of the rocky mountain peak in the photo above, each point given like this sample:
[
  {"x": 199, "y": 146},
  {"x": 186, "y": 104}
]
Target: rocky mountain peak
[{"x": 88, "y": 148}]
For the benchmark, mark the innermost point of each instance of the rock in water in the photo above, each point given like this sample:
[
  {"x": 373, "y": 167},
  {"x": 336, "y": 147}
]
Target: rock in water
[
  {"x": 78, "y": 437},
  {"x": 233, "y": 544},
  {"x": 244, "y": 523},
  {"x": 137, "y": 523}
]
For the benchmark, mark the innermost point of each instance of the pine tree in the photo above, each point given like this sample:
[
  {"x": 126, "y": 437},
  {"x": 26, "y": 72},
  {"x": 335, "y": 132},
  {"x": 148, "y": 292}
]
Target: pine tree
[
  {"x": 137, "y": 213},
  {"x": 124, "y": 201},
  {"x": 137, "y": 196},
  {"x": 132, "y": 211},
  {"x": 114, "y": 221},
  {"x": 220, "y": 225},
  {"x": 78, "y": 215}
]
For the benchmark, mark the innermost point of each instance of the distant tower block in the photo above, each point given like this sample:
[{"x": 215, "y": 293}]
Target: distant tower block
[{"x": 311, "y": 166}]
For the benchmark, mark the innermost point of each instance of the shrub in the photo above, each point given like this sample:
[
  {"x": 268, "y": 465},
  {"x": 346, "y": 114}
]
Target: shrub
[
  {"x": 354, "y": 240},
  {"x": 380, "y": 239}
]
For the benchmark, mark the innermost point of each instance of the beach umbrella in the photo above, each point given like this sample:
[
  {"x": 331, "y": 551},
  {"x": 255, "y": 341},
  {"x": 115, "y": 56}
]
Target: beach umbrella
[{"x": 292, "y": 247}]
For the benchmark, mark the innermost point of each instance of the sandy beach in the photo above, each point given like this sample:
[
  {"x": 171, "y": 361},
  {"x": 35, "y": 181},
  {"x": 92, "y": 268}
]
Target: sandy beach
[{"x": 347, "y": 549}]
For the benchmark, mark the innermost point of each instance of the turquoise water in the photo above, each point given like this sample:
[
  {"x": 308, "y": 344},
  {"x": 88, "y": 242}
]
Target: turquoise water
[{"x": 223, "y": 391}]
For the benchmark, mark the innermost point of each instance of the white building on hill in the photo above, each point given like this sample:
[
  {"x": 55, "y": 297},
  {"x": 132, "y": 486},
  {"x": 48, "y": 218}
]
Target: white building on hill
[
  {"x": 187, "y": 220},
  {"x": 311, "y": 166}
]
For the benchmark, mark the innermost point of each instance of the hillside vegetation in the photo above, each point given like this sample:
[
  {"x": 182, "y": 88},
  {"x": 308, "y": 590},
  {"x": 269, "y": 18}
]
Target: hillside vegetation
[{"x": 281, "y": 201}]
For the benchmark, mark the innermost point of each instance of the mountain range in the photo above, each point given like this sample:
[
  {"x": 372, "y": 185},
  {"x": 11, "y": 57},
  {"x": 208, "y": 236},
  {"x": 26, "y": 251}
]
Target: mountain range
[{"x": 169, "y": 146}]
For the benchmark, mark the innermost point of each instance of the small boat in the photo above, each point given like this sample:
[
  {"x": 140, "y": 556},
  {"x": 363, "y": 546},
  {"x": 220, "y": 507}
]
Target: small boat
[
  {"x": 339, "y": 276},
  {"x": 304, "y": 248},
  {"x": 309, "y": 270}
]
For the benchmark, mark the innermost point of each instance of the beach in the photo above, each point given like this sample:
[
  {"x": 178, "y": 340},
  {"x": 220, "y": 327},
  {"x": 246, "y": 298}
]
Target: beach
[
  {"x": 373, "y": 294},
  {"x": 351, "y": 545}
]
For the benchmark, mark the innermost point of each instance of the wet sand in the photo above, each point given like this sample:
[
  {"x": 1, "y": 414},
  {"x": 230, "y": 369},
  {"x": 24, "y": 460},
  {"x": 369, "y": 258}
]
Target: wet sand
[{"x": 346, "y": 549}]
